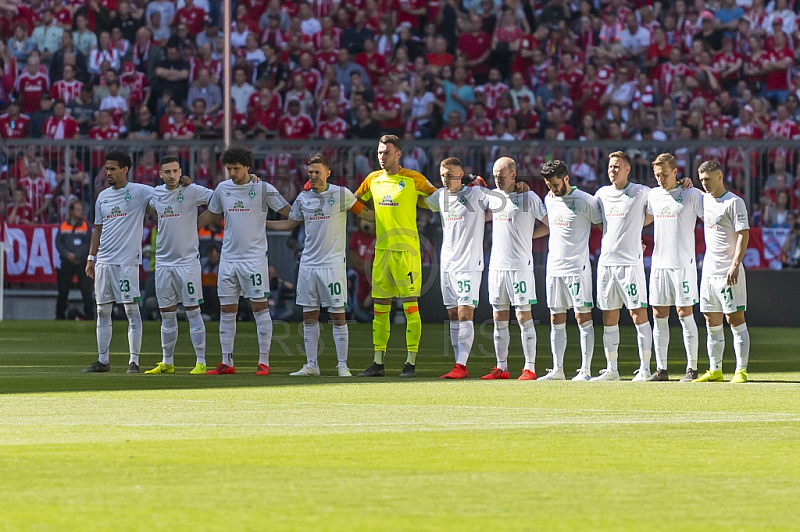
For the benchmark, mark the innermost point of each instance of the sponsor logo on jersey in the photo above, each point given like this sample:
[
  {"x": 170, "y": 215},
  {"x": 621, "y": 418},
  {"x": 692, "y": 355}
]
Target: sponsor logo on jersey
[
  {"x": 238, "y": 207},
  {"x": 614, "y": 212},
  {"x": 169, "y": 213},
  {"x": 741, "y": 218},
  {"x": 116, "y": 212},
  {"x": 318, "y": 215},
  {"x": 666, "y": 212},
  {"x": 559, "y": 221},
  {"x": 388, "y": 201}
]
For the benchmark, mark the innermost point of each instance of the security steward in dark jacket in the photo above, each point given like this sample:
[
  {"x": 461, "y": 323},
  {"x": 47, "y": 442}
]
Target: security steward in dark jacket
[{"x": 72, "y": 244}]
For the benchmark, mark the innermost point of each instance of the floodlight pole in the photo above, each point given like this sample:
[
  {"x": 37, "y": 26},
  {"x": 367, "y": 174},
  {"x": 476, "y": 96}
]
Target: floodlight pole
[{"x": 226, "y": 73}]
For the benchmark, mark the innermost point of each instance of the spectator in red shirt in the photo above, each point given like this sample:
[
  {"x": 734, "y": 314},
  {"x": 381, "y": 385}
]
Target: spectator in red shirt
[
  {"x": 179, "y": 129},
  {"x": 205, "y": 124},
  {"x": 105, "y": 130},
  {"x": 60, "y": 126},
  {"x": 31, "y": 84},
  {"x": 476, "y": 47},
  {"x": 37, "y": 190},
  {"x": 331, "y": 126},
  {"x": 658, "y": 52},
  {"x": 371, "y": 61},
  {"x": 265, "y": 113},
  {"x": 387, "y": 108},
  {"x": 192, "y": 16},
  {"x": 327, "y": 56},
  {"x": 295, "y": 125},
  {"x": 452, "y": 130},
  {"x": 778, "y": 70},
  {"x": 19, "y": 212},
  {"x": 13, "y": 124},
  {"x": 506, "y": 39},
  {"x": 479, "y": 122},
  {"x": 438, "y": 58}
]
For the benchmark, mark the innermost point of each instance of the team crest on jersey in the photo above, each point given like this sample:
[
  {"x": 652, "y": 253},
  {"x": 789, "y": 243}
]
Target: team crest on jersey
[
  {"x": 462, "y": 200},
  {"x": 238, "y": 207},
  {"x": 331, "y": 201},
  {"x": 679, "y": 199},
  {"x": 402, "y": 185},
  {"x": 571, "y": 206},
  {"x": 515, "y": 202},
  {"x": 116, "y": 212},
  {"x": 180, "y": 197},
  {"x": 252, "y": 193},
  {"x": 169, "y": 213},
  {"x": 128, "y": 197},
  {"x": 388, "y": 201}
]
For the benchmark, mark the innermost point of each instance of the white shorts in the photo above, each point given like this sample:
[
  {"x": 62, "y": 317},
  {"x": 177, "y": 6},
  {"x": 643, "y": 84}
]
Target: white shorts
[
  {"x": 115, "y": 283},
  {"x": 717, "y": 296},
  {"x": 570, "y": 291},
  {"x": 673, "y": 287},
  {"x": 244, "y": 278},
  {"x": 326, "y": 287},
  {"x": 460, "y": 289},
  {"x": 514, "y": 287},
  {"x": 621, "y": 285},
  {"x": 179, "y": 284}
]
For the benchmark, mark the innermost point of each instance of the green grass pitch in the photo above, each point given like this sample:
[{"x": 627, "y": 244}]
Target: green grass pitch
[{"x": 178, "y": 452}]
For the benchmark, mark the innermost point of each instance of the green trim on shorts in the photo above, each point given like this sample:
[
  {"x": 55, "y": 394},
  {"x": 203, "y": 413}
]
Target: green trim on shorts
[
  {"x": 200, "y": 302},
  {"x": 137, "y": 299},
  {"x": 644, "y": 305},
  {"x": 741, "y": 307},
  {"x": 474, "y": 302},
  {"x": 266, "y": 294},
  {"x": 531, "y": 301},
  {"x": 588, "y": 305}
]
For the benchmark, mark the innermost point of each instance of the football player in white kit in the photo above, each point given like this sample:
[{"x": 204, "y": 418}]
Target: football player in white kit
[
  {"x": 620, "y": 269},
  {"x": 673, "y": 277},
  {"x": 115, "y": 254},
  {"x": 723, "y": 288},
  {"x": 178, "y": 272},
  {"x": 243, "y": 266},
  {"x": 463, "y": 213},
  {"x": 322, "y": 278},
  {"x": 511, "y": 280},
  {"x": 571, "y": 214}
]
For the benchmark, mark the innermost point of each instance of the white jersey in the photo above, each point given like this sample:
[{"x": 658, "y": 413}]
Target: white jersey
[
  {"x": 570, "y": 219},
  {"x": 463, "y": 219},
  {"x": 724, "y": 218},
  {"x": 675, "y": 213},
  {"x": 245, "y": 209},
  {"x": 325, "y": 216},
  {"x": 177, "y": 241},
  {"x": 623, "y": 218},
  {"x": 513, "y": 219},
  {"x": 121, "y": 213}
]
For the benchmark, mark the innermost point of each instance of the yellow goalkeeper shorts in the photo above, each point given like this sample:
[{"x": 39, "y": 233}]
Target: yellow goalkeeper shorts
[{"x": 396, "y": 274}]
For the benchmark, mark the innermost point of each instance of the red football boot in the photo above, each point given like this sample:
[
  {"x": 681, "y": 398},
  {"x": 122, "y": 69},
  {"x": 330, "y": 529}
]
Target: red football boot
[
  {"x": 459, "y": 371},
  {"x": 527, "y": 375},
  {"x": 495, "y": 374},
  {"x": 263, "y": 369},
  {"x": 222, "y": 369}
]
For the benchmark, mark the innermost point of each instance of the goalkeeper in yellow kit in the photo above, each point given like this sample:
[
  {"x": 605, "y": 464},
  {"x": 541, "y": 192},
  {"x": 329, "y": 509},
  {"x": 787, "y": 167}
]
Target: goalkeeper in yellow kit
[{"x": 397, "y": 269}]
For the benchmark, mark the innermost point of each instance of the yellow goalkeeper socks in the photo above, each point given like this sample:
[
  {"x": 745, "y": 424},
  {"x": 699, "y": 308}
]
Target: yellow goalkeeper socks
[
  {"x": 413, "y": 326},
  {"x": 381, "y": 327}
]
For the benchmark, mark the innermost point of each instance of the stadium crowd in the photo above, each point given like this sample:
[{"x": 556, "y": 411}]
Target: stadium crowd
[{"x": 444, "y": 69}]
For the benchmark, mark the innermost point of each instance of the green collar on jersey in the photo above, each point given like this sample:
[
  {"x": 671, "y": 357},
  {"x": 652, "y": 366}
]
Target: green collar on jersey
[
  {"x": 573, "y": 189},
  {"x": 123, "y": 186},
  {"x": 723, "y": 195}
]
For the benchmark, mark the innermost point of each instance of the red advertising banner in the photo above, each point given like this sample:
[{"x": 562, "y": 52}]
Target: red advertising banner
[{"x": 31, "y": 255}]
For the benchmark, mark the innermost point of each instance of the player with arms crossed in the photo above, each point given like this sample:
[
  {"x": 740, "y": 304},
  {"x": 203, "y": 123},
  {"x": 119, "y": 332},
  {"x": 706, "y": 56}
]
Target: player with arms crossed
[
  {"x": 673, "y": 277},
  {"x": 115, "y": 254},
  {"x": 397, "y": 268},
  {"x": 620, "y": 270},
  {"x": 322, "y": 279},
  {"x": 243, "y": 267},
  {"x": 178, "y": 272},
  {"x": 571, "y": 214},
  {"x": 511, "y": 280},
  {"x": 723, "y": 287},
  {"x": 462, "y": 210}
]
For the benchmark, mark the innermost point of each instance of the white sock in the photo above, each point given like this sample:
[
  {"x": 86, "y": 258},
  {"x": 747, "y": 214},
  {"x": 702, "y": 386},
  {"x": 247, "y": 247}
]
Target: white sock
[
  {"x": 134, "y": 331},
  {"x": 715, "y": 343},
  {"x": 264, "y": 333},
  {"x": 528, "y": 334},
  {"x": 454, "y": 330},
  {"x": 741, "y": 346},
  {"x": 466, "y": 336},
  {"x": 311, "y": 341},
  {"x": 587, "y": 345},
  {"x": 341, "y": 337},
  {"x": 104, "y": 331},
  {"x": 197, "y": 332},
  {"x": 501, "y": 339},
  {"x": 644, "y": 338},
  {"x": 169, "y": 336},
  {"x": 691, "y": 340},
  {"x": 661, "y": 340},
  {"x": 611, "y": 345},
  {"x": 227, "y": 334},
  {"x": 558, "y": 344}
]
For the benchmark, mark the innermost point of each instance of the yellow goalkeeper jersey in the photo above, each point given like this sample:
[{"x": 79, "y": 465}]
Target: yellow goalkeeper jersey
[{"x": 395, "y": 202}]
